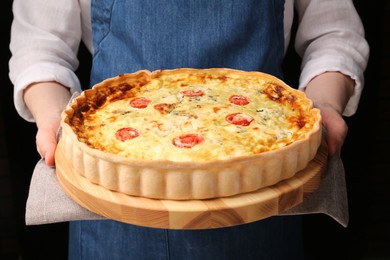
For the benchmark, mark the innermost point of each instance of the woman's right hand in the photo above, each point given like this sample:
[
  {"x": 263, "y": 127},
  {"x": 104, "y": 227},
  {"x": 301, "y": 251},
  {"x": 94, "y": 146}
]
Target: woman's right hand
[
  {"x": 46, "y": 139},
  {"x": 46, "y": 101}
]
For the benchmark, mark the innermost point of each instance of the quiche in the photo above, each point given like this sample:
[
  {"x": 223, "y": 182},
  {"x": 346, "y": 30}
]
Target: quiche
[{"x": 189, "y": 133}]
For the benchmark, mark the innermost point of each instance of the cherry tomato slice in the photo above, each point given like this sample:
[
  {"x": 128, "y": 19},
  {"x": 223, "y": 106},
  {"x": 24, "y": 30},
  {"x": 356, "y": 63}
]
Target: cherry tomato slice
[
  {"x": 140, "y": 102},
  {"x": 188, "y": 140},
  {"x": 239, "y": 100},
  {"x": 192, "y": 93},
  {"x": 239, "y": 119},
  {"x": 126, "y": 133}
]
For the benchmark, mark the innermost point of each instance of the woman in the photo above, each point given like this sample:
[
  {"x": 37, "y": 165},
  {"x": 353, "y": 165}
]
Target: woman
[{"x": 125, "y": 36}]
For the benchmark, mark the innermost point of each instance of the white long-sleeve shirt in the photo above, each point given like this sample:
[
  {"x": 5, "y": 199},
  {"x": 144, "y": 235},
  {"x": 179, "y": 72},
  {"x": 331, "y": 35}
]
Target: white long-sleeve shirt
[{"x": 46, "y": 34}]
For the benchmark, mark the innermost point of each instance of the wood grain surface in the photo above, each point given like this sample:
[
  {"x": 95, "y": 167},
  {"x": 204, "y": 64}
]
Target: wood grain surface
[{"x": 192, "y": 214}]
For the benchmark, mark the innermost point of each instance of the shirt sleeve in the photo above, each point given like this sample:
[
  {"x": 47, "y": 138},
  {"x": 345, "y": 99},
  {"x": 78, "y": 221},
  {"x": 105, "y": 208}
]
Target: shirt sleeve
[
  {"x": 45, "y": 37},
  {"x": 330, "y": 37}
]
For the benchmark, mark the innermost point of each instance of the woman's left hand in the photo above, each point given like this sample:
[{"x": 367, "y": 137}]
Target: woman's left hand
[
  {"x": 336, "y": 128},
  {"x": 330, "y": 93}
]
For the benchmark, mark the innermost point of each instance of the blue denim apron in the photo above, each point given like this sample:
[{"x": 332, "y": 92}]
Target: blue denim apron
[{"x": 151, "y": 34}]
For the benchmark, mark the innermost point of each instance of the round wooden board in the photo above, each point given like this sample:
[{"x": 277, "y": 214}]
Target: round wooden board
[{"x": 192, "y": 214}]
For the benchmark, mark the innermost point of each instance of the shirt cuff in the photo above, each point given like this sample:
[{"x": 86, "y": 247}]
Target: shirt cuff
[
  {"x": 42, "y": 73},
  {"x": 316, "y": 67}
]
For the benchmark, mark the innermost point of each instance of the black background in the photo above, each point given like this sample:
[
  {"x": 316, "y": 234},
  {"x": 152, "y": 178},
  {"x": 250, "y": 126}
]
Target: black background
[{"x": 365, "y": 157}]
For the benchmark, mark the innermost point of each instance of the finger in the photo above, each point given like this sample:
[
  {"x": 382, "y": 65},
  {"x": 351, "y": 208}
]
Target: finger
[
  {"x": 50, "y": 154},
  {"x": 46, "y": 144},
  {"x": 336, "y": 131},
  {"x": 39, "y": 152}
]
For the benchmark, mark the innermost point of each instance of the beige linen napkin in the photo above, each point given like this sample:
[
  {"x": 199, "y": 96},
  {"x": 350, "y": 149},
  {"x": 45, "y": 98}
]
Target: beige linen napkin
[{"x": 48, "y": 203}]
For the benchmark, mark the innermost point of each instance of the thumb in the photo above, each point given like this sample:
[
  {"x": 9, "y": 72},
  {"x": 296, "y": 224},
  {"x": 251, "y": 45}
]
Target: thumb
[{"x": 46, "y": 144}]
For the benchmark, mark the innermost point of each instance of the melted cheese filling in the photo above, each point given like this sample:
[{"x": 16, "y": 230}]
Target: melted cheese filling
[{"x": 204, "y": 115}]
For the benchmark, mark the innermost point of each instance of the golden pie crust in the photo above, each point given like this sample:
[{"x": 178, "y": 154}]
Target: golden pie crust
[{"x": 195, "y": 133}]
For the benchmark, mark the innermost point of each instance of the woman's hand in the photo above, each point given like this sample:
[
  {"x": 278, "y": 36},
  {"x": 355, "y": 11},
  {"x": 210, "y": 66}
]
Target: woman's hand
[
  {"x": 336, "y": 128},
  {"x": 46, "y": 101},
  {"x": 46, "y": 139},
  {"x": 330, "y": 93}
]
